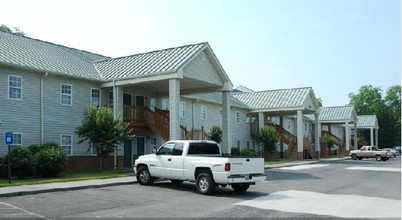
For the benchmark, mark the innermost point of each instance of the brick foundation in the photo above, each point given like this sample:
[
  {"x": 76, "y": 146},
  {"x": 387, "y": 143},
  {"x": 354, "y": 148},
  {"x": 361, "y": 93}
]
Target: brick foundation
[{"x": 91, "y": 163}]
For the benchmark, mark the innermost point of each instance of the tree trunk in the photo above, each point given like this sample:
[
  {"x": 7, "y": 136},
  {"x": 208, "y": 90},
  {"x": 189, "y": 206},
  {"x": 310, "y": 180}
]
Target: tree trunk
[{"x": 100, "y": 162}]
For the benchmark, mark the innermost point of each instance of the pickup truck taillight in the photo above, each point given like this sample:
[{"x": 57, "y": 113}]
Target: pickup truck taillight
[{"x": 227, "y": 166}]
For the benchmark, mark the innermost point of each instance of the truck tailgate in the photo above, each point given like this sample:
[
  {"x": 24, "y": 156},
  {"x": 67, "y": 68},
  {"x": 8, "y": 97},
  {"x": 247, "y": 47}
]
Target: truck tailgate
[{"x": 245, "y": 166}]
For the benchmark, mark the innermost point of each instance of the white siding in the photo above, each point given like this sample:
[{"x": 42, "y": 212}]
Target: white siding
[{"x": 202, "y": 70}]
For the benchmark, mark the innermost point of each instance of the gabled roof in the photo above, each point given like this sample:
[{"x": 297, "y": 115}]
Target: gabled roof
[
  {"x": 242, "y": 89},
  {"x": 367, "y": 122},
  {"x": 159, "y": 61},
  {"x": 336, "y": 114},
  {"x": 216, "y": 97},
  {"x": 28, "y": 53},
  {"x": 276, "y": 100}
]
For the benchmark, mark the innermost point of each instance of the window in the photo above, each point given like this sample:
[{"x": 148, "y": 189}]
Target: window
[
  {"x": 203, "y": 148},
  {"x": 248, "y": 144},
  {"x": 152, "y": 104},
  {"x": 110, "y": 99},
  {"x": 93, "y": 151},
  {"x": 305, "y": 126},
  {"x": 166, "y": 149},
  {"x": 220, "y": 114},
  {"x": 247, "y": 119},
  {"x": 65, "y": 94},
  {"x": 152, "y": 143},
  {"x": 203, "y": 112},
  {"x": 14, "y": 87},
  {"x": 178, "y": 149},
  {"x": 289, "y": 123},
  {"x": 17, "y": 138},
  {"x": 182, "y": 110},
  {"x": 238, "y": 117},
  {"x": 67, "y": 144},
  {"x": 165, "y": 104},
  {"x": 238, "y": 144},
  {"x": 96, "y": 97}
]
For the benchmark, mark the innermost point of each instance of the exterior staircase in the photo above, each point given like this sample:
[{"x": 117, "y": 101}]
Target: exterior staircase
[{"x": 338, "y": 142}]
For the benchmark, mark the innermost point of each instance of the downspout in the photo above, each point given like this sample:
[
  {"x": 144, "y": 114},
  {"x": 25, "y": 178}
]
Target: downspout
[{"x": 41, "y": 108}]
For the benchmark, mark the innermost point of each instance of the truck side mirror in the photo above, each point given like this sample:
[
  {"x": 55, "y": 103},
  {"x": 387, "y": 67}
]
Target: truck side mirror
[{"x": 154, "y": 151}]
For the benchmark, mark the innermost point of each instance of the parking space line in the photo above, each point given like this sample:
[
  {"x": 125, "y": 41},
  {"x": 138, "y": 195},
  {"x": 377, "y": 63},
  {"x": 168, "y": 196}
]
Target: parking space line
[{"x": 24, "y": 212}]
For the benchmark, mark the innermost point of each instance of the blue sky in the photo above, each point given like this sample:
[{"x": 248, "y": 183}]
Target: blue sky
[{"x": 334, "y": 46}]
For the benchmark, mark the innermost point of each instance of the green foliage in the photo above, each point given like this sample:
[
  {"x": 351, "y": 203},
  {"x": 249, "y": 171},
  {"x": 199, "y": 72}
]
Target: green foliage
[
  {"x": 101, "y": 131},
  {"x": 47, "y": 160},
  {"x": 268, "y": 138},
  {"x": 370, "y": 101},
  {"x": 216, "y": 134},
  {"x": 319, "y": 101},
  {"x": 22, "y": 163},
  {"x": 249, "y": 152},
  {"x": 15, "y": 30},
  {"x": 51, "y": 160},
  {"x": 329, "y": 140},
  {"x": 235, "y": 151}
]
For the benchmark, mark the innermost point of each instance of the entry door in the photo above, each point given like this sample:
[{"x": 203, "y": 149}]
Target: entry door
[
  {"x": 128, "y": 153},
  {"x": 140, "y": 146}
]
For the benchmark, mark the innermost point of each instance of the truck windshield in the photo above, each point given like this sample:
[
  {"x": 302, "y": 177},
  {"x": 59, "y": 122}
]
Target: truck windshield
[{"x": 203, "y": 148}]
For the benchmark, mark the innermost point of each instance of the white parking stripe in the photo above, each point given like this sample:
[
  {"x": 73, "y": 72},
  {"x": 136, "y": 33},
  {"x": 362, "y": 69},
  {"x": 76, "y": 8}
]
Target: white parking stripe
[
  {"x": 22, "y": 212},
  {"x": 303, "y": 167},
  {"x": 389, "y": 169},
  {"x": 344, "y": 206}
]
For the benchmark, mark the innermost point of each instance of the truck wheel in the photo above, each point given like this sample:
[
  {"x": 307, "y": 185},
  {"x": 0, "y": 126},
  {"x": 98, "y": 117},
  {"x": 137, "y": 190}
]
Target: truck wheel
[
  {"x": 378, "y": 158},
  {"x": 205, "y": 184},
  {"x": 241, "y": 187},
  {"x": 144, "y": 177},
  {"x": 354, "y": 156}
]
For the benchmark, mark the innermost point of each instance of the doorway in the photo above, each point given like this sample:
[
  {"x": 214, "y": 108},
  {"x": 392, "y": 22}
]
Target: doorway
[{"x": 140, "y": 146}]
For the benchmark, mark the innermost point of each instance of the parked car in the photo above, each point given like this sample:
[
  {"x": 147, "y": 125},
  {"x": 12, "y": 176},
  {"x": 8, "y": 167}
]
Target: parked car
[
  {"x": 370, "y": 152},
  {"x": 398, "y": 148},
  {"x": 390, "y": 151}
]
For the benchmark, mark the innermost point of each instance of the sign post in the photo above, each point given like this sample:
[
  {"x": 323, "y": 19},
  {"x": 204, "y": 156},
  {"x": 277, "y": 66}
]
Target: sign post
[{"x": 9, "y": 142}]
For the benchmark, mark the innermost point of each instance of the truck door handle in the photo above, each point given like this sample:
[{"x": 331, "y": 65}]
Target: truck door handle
[
  {"x": 170, "y": 159},
  {"x": 247, "y": 160}
]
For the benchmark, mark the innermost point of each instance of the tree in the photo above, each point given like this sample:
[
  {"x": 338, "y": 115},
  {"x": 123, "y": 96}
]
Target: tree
[
  {"x": 319, "y": 101},
  {"x": 329, "y": 140},
  {"x": 268, "y": 138},
  {"x": 370, "y": 101},
  {"x": 101, "y": 131},
  {"x": 216, "y": 134},
  {"x": 15, "y": 30}
]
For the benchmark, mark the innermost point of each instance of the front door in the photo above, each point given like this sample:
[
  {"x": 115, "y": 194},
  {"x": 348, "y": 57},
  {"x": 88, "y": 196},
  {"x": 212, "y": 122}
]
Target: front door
[
  {"x": 128, "y": 153},
  {"x": 140, "y": 146}
]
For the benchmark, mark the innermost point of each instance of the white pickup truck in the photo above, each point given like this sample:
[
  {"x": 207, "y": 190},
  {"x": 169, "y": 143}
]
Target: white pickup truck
[{"x": 199, "y": 161}]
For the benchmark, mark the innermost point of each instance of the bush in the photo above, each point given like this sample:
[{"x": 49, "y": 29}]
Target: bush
[
  {"x": 51, "y": 160},
  {"x": 249, "y": 152},
  {"x": 235, "y": 151},
  {"x": 22, "y": 163}
]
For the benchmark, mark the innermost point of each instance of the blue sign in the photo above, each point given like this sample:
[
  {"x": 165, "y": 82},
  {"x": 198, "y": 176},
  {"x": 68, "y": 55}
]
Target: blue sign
[{"x": 9, "y": 138}]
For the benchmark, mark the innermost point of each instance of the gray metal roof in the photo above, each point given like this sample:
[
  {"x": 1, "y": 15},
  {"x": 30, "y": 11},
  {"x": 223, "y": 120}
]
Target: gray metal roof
[
  {"x": 275, "y": 99},
  {"x": 25, "y": 52},
  {"x": 160, "y": 61},
  {"x": 336, "y": 114},
  {"x": 367, "y": 121},
  {"x": 216, "y": 97}
]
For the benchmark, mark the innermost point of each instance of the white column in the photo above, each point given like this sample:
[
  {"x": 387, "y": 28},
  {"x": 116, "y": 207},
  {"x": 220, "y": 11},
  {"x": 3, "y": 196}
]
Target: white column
[
  {"x": 299, "y": 133},
  {"x": 260, "y": 121},
  {"x": 317, "y": 134},
  {"x": 376, "y": 138},
  {"x": 355, "y": 136},
  {"x": 371, "y": 137},
  {"x": 117, "y": 107},
  {"x": 174, "y": 101},
  {"x": 347, "y": 136},
  {"x": 226, "y": 136}
]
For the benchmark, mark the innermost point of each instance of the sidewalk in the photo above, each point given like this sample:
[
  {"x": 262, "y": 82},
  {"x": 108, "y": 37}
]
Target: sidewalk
[{"x": 65, "y": 186}]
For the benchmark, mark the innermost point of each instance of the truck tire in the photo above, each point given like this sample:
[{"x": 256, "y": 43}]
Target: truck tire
[
  {"x": 205, "y": 184},
  {"x": 378, "y": 158},
  {"x": 354, "y": 156},
  {"x": 241, "y": 187},
  {"x": 144, "y": 177}
]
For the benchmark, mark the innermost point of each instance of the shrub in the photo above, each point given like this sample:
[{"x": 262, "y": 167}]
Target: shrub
[
  {"x": 22, "y": 163},
  {"x": 34, "y": 148},
  {"x": 51, "y": 160},
  {"x": 249, "y": 152},
  {"x": 216, "y": 134},
  {"x": 235, "y": 151}
]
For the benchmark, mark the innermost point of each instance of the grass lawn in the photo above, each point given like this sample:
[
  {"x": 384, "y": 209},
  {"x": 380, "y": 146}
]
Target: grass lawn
[{"x": 68, "y": 176}]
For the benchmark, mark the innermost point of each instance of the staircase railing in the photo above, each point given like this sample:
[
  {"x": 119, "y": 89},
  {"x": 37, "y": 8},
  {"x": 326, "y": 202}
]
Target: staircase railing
[
  {"x": 340, "y": 143},
  {"x": 286, "y": 137}
]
